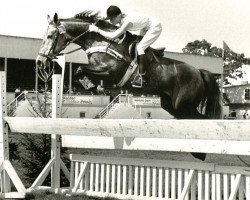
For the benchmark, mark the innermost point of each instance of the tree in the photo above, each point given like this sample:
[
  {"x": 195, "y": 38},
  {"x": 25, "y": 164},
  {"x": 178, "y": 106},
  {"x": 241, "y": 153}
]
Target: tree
[
  {"x": 232, "y": 61},
  {"x": 34, "y": 151}
]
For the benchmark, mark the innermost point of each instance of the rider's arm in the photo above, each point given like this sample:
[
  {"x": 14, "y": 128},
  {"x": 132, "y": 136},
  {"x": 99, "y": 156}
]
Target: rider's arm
[{"x": 113, "y": 35}]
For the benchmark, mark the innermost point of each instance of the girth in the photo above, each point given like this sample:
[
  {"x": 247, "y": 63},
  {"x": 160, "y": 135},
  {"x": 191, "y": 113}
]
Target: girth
[{"x": 105, "y": 49}]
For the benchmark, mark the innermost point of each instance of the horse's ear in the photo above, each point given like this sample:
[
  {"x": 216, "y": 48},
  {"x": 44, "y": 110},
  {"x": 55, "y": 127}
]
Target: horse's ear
[
  {"x": 55, "y": 18},
  {"x": 49, "y": 19}
]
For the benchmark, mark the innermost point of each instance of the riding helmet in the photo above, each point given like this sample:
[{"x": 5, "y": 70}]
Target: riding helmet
[{"x": 113, "y": 11}]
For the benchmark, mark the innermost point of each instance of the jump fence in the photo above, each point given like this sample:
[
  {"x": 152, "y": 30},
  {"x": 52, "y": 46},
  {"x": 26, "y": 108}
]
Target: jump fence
[{"x": 134, "y": 178}]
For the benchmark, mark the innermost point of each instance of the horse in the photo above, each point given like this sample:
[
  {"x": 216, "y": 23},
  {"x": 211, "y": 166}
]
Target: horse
[
  {"x": 185, "y": 91},
  {"x": 182, "y": 88}
]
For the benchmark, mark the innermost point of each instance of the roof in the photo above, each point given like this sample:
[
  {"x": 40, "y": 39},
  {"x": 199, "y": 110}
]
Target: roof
[
  {"x": 240, "y": 85},
  {"x": 210, "y": 63},
  {"x": 27, "y": 48}
]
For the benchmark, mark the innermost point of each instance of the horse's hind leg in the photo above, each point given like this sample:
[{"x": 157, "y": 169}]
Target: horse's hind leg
[
  {"x": 186, "y": 108},
  {"x": 200, "y": 156},
  {"x": 166, "y": 104},
  {"x": 189, "y": 112},
  {"x": 181, "y": 110}
]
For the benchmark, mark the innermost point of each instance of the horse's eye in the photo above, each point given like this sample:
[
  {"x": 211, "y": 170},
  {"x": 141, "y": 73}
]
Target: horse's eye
[{"x": 49, "y": 36}]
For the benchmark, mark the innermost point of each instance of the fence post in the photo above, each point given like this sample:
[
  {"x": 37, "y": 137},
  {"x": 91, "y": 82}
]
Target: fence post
[
  {"x": 4, "y": 142},
  {"x": 55, "y": 139},
  {"x": 7, "y": 172}
]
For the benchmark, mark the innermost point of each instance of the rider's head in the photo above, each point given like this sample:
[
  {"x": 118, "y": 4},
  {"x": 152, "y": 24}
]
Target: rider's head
[{"x": 114, "y": 14}]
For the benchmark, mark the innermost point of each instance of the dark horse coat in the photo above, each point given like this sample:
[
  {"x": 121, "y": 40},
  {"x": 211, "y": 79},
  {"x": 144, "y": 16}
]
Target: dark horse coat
[{"x": 182, "y": 88}]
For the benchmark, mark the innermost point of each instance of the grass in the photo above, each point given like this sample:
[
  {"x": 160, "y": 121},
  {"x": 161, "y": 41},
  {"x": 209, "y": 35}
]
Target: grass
[{"x": 48, "y": 195}]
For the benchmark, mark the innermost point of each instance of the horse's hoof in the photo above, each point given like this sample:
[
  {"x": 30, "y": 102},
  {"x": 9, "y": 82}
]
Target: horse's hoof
[{"x": 200, "y": 156}]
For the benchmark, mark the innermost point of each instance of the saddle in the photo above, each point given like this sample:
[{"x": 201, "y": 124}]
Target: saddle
[
  {"x": 157, "y": 53},
  {"x": 151, "y": 54},
  {"x": 133, "y": 68}
]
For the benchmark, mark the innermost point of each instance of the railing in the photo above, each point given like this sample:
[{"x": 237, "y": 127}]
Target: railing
[
  {"x": 12, "y": 106},
  {"x": 136, "y": 178},
  {"x": 120, "y": 98}
]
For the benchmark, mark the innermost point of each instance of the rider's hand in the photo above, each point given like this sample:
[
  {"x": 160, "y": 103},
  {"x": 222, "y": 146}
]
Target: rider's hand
[{"x": 93, "y": 28}]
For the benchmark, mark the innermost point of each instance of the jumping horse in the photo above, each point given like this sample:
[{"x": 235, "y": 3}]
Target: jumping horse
[{"x": 185, "y": 91}]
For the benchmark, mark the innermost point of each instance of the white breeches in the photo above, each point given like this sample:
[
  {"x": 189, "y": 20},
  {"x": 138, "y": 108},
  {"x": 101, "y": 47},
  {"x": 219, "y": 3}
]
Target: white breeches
[{"x": 150, "y": 36}]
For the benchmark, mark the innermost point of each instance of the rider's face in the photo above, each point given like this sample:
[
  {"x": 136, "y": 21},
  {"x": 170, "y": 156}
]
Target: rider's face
[{"x": 116, "y": 20}]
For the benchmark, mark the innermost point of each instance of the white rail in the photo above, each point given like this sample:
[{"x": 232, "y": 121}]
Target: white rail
[
  {"x": 137, "y": 178},
  {"x": 134, "y": 178}
]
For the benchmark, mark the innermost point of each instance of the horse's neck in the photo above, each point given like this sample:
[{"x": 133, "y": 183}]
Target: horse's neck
[
  {"x": 91, "y": 39},
  {"x": 74, "y": 29}
]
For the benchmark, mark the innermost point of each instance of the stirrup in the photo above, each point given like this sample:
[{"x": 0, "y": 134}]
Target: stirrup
[{"x": 138, "y": 81}]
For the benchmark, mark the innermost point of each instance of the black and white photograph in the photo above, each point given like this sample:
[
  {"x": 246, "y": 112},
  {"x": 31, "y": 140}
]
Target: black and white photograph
[{"x": 129, "y": 99}]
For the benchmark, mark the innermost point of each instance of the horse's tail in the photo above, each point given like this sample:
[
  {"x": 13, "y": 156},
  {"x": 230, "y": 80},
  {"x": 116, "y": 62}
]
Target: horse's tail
[{"x": 212, "y": 100}]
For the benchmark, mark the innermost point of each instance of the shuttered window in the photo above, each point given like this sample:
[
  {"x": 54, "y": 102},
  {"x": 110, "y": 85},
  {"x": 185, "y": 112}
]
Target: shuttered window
[{"x": 247, "y": 94}]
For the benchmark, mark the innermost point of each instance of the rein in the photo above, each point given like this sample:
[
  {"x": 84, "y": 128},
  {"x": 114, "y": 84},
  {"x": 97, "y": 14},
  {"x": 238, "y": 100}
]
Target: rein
[
  {"x": 91, "y": 50},
  {"x": 102, "y": 49},
  {"x": 71, "y": 41}
]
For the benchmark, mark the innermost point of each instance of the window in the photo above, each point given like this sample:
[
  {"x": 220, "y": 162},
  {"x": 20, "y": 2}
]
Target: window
[
  {"x": 247, "y": 94},
  {"x": 148, "y": 115},
  {"x": 82, "y": 114}
]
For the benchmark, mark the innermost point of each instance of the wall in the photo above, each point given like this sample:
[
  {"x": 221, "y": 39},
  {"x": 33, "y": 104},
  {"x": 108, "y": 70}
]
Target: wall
[
  {"x": 73, "y": 105},
  {"x": 91, "y": 105},
  {"x": 10, "y": 96},
  {"x": 150, "y": 105},
  {"x": 236, "y": 94}
]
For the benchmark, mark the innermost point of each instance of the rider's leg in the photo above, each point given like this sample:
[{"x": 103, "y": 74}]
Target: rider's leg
[
  {"x": 142, "y": 64},
  {"x": 139, "y": 79},
  {"x": 149, "y": 38}
]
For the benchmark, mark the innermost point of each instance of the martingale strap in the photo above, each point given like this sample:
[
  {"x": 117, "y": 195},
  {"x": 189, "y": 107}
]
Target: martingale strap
[{"x": 105, "y": 49}]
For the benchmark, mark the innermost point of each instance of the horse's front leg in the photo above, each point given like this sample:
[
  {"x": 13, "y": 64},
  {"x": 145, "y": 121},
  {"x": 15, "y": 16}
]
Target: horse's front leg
[{"x": 87, "y": 83}]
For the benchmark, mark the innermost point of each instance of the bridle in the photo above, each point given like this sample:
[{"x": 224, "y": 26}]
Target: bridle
[
  {"x": 60, "y": 30},
  {"x": 132, "y": 64},
  {"x": 49, "y": 55},
  {"x": 102, "y": 49}
]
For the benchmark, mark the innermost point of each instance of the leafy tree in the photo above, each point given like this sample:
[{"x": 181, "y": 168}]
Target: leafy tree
[
  {"x": 13, "y": 150},
  {"x": 232, "y": 61}
]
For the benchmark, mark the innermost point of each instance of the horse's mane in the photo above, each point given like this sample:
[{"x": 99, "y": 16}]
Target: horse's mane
[
  {"x": 103, "y": 24},
  {"x": 89, "y": 20}
]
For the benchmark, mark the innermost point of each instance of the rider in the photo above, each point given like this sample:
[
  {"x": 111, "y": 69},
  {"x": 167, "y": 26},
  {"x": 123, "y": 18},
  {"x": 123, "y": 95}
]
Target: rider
[{"x": 149, "y": 27}]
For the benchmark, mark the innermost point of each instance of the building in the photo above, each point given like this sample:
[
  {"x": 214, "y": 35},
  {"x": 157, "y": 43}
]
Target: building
[
  {"x": 238, "y": 99},
  {"x": 18, "y": 56}
]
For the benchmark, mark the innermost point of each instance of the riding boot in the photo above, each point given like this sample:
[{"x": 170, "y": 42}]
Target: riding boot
[{"x": 139, "y": 79}]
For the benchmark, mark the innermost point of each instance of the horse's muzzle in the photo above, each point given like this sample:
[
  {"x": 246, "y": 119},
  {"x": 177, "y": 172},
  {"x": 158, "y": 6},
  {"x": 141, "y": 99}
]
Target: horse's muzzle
[{"x": 42, "y": 62}]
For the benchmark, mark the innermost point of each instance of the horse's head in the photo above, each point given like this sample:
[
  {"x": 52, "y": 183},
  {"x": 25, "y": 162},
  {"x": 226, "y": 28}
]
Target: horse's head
[
  {"x": 53, "y": 42},
  {"x": 62, "y": 32}
]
